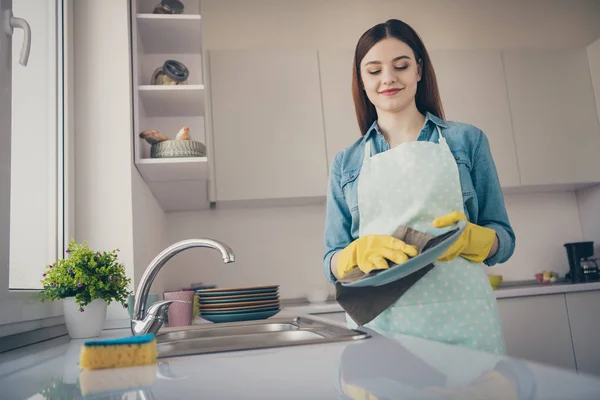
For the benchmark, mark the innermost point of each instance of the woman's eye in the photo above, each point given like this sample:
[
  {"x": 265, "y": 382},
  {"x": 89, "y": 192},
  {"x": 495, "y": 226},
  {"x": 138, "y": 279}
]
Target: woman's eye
[
  {"x": 374, "y": 72},
  {"x": 401, "y": 68}
]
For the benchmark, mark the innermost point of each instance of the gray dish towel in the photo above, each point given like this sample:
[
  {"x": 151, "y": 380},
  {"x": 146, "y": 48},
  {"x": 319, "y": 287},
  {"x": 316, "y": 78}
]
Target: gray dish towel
[{"x": 363, "y": 304}]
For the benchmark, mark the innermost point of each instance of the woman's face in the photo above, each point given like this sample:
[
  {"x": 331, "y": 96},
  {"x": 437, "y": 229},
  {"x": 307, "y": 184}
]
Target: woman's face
[{"x": 390, "y": 75}]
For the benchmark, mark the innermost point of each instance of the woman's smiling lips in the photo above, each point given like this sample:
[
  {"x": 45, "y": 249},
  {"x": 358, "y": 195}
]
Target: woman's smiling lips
[{"x": 389, "y": 92}]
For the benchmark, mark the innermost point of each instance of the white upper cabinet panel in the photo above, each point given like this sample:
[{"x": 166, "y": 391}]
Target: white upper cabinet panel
[
  {"x": 593, "y": 53},
  {"x": 554, "y": 116},
  {"x": 473, "y": 91},
  {"x": 267, "y": 124},
  {"x": 341, "y": 126}
]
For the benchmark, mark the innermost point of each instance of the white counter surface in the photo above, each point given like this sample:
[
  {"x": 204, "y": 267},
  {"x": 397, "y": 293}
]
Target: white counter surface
[{"x": 404, "y": 368}]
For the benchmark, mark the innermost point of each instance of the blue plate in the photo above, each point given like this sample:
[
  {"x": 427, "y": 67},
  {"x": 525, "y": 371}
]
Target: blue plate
[
  {"x": 240, "y": 316},
  {"x": 234, "y": 292},
  {"x": 241, "y": 299},
  {"x": 248, "y": 310},
  {"x": 398, "y": 271}
]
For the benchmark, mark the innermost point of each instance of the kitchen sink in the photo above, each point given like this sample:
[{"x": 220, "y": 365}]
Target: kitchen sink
[
  {"x": 224, "y": 330},
  {"x": 250, "y": 335}
]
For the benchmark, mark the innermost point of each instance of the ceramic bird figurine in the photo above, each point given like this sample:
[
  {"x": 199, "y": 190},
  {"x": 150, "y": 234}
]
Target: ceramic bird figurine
[{"x": 183, "y": 134}]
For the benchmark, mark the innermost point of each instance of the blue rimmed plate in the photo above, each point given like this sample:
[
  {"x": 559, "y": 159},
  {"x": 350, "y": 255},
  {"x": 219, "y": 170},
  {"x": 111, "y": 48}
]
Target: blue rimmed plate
[
  {"x": 399, "y": 271},
  {"x": 233, "y": 299},
  {"x": 238, "y": 291},
  {"x": 271, "y": 308},
  {"x": 237, "y": 317}
]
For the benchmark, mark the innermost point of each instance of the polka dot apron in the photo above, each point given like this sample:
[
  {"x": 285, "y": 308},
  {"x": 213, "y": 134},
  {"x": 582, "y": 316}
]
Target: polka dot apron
[{"x": 411, "y": 185}]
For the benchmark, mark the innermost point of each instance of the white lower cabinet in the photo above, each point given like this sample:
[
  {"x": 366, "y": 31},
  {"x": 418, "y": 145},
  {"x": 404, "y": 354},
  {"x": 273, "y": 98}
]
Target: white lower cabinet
[
  {"x": 561, "y": 330},
  {"x": 584, "y": 318},
  {"x": 536, "y": 328}
]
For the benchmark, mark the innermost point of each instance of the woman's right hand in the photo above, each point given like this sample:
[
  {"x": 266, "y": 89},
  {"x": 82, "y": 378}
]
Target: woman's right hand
[{"x": 370, "y": 252}]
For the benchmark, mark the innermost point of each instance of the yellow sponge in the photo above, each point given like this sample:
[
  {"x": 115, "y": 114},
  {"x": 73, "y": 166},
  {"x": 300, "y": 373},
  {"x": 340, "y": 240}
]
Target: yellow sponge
[{"x": 116, "y": 353}]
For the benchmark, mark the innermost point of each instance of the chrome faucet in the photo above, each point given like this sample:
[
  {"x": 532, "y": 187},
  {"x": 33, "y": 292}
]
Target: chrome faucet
[{"x": 149, "y": 321}]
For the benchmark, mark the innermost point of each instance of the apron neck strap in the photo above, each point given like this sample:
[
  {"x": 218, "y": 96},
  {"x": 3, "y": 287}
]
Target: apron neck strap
[
  {"x": 441, "y": 137},
  {"x": 367, "y": 154}
]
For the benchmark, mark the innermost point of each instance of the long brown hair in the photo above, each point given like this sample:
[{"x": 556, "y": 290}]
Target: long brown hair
[{"x": 427, "y": 97}]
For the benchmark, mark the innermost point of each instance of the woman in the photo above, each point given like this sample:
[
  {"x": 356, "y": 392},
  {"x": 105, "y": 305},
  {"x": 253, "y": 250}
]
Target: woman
[{"x": 411, "y": 168}]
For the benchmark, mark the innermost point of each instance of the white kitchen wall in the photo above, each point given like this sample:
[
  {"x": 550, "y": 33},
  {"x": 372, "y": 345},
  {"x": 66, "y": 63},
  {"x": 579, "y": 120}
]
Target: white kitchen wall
[
  {"x": 149, "y": 231},
  {"x": 285, "y": 245},
  {"x": 279, "y": 245},
  {"x": 114, "y": 207},
  {"x": 103, "y": 145},
  {"x": 543, "y": 222},
  {"x": 589, "y": 209}
]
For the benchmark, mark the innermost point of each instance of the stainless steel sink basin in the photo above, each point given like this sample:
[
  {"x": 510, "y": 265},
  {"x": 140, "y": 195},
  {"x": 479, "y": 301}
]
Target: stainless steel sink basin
[
  {"x": 249, "y": 335},
  {"x": 224, "y": 330}
]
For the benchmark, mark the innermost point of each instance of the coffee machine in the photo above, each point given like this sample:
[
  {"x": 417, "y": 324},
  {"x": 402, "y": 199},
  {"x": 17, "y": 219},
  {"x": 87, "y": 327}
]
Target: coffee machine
[{"x": 582, "y": 268}]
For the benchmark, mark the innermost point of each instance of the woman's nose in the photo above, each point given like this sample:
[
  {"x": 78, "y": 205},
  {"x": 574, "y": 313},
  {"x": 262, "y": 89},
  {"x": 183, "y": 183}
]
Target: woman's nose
[{"x": 388, "y": 77}]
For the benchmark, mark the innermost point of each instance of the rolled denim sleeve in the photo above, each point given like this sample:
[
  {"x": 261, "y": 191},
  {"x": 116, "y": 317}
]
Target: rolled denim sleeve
[
  {"x": 492, "y": 210},
  {"x": 338, "y": 219}
]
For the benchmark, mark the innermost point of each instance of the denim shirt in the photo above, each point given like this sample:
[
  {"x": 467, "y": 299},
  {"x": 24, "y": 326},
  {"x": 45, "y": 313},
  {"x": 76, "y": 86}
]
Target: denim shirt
[{"x": 482, "y": 195}]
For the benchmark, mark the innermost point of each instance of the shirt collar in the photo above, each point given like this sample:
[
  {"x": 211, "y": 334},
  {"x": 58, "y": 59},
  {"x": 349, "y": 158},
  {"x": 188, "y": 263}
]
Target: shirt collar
[{"x": 429, "y": 118}]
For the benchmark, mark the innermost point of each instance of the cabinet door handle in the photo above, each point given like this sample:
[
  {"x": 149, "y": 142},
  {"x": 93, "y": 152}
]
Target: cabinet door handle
[{"x": 10, "y": 22}]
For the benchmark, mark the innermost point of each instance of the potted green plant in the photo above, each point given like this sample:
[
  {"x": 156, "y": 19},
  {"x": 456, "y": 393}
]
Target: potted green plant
[{"x": 86, "y": 281}]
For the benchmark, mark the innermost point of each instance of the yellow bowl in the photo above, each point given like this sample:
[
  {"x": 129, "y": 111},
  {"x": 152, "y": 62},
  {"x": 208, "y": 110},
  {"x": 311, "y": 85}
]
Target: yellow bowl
[{"x": 495, "y": 281}]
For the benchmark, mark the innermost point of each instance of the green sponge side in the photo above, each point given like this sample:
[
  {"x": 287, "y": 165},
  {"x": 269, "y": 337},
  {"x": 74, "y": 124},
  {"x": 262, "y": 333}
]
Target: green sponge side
[{"x": 142, "y": 339}]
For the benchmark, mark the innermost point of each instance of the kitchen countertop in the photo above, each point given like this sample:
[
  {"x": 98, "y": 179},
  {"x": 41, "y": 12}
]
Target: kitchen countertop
[
  {"x": 403, "y": 368},
  {"x": 505, "y": 290}
]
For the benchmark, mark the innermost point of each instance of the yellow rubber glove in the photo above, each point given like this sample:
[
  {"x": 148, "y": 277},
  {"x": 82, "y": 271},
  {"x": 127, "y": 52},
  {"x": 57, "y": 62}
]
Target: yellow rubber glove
[
  {"x": 473, "y": 244},
  {"x": 369, "y": 254}
]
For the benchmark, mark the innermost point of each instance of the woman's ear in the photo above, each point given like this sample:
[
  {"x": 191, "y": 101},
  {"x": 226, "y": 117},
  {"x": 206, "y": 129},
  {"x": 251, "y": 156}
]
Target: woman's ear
[{"x": 420, "y": 69}]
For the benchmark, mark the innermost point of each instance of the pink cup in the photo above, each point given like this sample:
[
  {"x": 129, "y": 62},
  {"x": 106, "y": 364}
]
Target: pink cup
[{"x": 180, "y": 314}]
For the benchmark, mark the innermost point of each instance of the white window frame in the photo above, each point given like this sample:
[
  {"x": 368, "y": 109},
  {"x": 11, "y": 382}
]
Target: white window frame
[{"x": 21, "y": 310}]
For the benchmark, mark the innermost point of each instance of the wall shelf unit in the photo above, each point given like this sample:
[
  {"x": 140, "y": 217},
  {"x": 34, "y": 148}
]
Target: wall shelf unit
[
  {"x": 178, "y": 184},
  {"x": 162, "y": 34},
  {"x": 172, "y": 101}
]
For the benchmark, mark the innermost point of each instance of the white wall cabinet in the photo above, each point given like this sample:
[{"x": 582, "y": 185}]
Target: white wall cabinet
[
  {"x": 593, "y": 54},
  {"x": 537, "y": 329},
  {"x": 276, "y": 118},
  {"x": 267, "y": 125},
  {"x": 555, "y": 121},
  {"x": 584, "y": 317},
  {"x": 341, "y": 126},
  {"x": 473, "y": 91}
]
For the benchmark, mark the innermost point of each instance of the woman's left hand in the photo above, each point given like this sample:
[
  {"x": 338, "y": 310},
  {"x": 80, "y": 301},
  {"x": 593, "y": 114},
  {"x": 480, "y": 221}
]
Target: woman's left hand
[{"x": 473, "y": 244}]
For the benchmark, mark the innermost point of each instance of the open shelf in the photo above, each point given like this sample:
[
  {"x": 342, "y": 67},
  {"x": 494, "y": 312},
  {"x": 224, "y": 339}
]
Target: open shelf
[
  {"x": 172, "y": 100},
  {"x": 179, "y": 184},
  {"x": 170, "y": 34},
  {"x": 173, "y": 169}
]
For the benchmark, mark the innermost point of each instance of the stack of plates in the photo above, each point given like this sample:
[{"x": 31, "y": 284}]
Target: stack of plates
[{"x": 238, "y": 304}]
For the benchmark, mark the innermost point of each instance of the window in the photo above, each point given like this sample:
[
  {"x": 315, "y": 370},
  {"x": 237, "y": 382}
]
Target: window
[{"x": 33, "y": 188}]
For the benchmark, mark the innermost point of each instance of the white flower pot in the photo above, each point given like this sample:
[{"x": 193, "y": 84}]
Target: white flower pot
[{"x": 86, "y": 324}]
